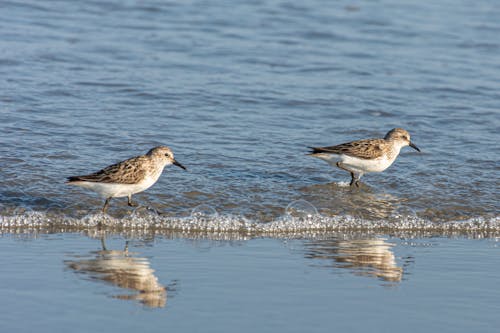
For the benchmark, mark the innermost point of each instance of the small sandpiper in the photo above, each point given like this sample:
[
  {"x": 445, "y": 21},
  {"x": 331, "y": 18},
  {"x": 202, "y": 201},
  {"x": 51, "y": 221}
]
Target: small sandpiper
[
  {"x": 127, "y": 177},
  {"x": 363, "y": 156}
]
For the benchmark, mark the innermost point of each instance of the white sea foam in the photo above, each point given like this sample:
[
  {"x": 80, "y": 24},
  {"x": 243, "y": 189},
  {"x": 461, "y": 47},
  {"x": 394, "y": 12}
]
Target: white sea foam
[
  {"x": 291, "y": 222},
  {"x": 204, "y": 211},
  {"x": 301, "y": 209}
]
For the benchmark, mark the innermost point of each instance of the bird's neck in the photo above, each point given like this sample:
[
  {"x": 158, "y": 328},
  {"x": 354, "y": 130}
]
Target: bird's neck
[{"x": 395, "y": 149}]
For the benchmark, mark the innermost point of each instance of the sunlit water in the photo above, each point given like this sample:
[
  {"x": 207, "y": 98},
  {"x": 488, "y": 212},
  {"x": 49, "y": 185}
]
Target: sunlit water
[
  {"x": 239, "y": 90},
  {"x": 351, "y": 282}
]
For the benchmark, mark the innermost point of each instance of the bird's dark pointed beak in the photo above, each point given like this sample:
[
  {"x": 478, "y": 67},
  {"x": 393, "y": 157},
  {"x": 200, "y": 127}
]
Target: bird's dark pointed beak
[
  {"x": 414, "y": 147},
  {"x": 179, "y": 165}
]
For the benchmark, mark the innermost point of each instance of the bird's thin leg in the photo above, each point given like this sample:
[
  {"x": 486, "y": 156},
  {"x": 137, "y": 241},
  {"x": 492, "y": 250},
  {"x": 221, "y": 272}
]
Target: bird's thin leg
[
  {"x": 130, "y": 203},
  {"x": 353, "y": 180},
  {"x": 358, "y": 177},
  {"x": 103, "y": 243},
  {"x": 126, "y": 247},
  {"x": 106, "y": 204}
]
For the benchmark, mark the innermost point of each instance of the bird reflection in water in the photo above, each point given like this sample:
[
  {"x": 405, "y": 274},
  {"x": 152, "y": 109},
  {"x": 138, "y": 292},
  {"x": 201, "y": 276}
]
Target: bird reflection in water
[
  {"x": 364, "y": 257},
  {"x": 123, "y": 270}
]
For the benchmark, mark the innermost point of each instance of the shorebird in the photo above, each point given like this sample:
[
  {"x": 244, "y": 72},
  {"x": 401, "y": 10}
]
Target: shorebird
[
  {"x": 364, "y": 156},
  {"x": 127, "y": 177}
]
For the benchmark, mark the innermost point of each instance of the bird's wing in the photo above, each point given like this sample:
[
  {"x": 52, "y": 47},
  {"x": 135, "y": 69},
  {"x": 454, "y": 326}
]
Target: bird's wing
[
  {"x": 130, "y": 171},
  {"x": 366, "y": 149}
]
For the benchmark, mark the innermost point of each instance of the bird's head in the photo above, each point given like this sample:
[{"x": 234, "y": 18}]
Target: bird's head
[
  {"x": 164, "y": 154},
  {"x": 401, "y": 137}
]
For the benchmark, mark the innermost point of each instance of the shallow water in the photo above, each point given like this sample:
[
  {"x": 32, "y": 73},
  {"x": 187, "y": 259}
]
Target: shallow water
[
  {"x": 255, "y": 235},
  {"x": 239, "y": 91},
  {"x": 344, "y": 281}
]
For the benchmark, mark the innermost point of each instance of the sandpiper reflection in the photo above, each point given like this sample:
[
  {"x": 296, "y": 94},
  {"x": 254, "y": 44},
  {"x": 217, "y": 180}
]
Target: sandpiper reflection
[
  {"x": 364, "y": 257},
  {"x": 122, "y": 269}
]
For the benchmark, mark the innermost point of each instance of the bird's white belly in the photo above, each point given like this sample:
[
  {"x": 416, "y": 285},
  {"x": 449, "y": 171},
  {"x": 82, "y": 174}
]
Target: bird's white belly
[
  {"x": 357, "y": 165},
  {"x": 116, "y": 190},
  {"x": 366, "y": 165}
]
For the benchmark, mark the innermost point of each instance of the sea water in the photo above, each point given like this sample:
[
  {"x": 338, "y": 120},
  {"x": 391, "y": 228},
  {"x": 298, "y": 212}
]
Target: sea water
[{"x": 256, "y": 235}]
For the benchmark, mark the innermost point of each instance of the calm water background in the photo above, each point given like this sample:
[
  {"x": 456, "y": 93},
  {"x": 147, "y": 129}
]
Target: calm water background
[
  {"x": 264, "y": 285},
  {"x": 238, "y": 90}
]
